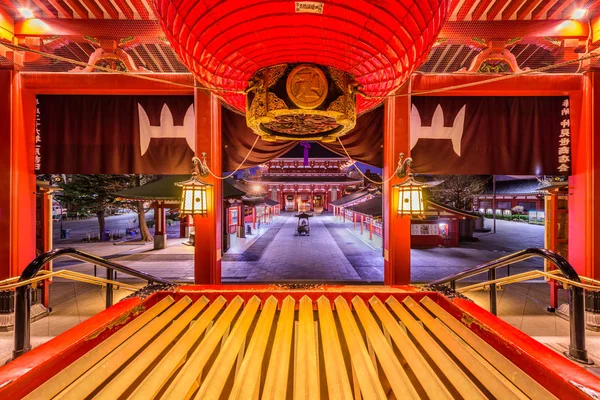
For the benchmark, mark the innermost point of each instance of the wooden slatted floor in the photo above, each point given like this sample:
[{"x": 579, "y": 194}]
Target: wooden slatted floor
[{"x": 232, "y": 350}]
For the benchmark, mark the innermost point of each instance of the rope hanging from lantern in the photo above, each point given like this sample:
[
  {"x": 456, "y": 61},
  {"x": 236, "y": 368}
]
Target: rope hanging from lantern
[
  {"x": 238, "y": 167},
  {"x": 364, "y": 176}
]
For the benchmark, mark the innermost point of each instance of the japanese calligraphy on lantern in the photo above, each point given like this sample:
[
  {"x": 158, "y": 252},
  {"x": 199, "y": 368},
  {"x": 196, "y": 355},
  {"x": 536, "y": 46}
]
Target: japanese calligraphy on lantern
[
  {"x": 564, "y": 139},
  {"x": 38, "y": 138}
]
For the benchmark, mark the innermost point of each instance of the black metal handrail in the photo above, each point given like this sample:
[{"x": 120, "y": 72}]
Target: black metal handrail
[
  {"x": 23, "y": 293},
  {"x": 577, "y": 350}
]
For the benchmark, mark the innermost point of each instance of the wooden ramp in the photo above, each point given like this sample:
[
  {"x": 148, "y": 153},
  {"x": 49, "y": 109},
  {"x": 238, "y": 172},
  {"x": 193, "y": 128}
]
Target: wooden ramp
[{"x": 378, "y": 349}]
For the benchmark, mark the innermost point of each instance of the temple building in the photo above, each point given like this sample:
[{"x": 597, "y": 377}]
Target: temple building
[{"x": 307, "y": 178}]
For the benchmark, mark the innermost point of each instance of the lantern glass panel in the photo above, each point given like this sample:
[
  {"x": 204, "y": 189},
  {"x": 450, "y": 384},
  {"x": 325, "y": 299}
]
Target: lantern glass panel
[
  {"x": 410, "y": 200},
  {"x": 193, "y": 200}
]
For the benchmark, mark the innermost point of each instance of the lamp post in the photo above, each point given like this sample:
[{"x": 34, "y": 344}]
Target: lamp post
[
  {"x": 193, "y": 191},
  {"x": 410, "y": 192}
]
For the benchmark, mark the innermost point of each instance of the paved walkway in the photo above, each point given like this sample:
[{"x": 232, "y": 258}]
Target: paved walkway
[{"x": 287, "y": 257}]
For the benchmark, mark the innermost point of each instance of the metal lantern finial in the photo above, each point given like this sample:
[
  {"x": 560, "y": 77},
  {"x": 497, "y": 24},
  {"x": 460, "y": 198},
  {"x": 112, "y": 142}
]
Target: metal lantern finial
[
  {"x": 193, "y": 191},
  {"x": 410, "y": 192}
]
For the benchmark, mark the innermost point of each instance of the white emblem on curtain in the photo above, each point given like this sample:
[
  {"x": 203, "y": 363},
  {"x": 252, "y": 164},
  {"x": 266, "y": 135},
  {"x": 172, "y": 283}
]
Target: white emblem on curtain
[
  {"x": 437, "y": 130},
  {"x": 166, "y": 129}
]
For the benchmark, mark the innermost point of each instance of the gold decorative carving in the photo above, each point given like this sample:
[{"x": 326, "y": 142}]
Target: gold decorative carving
[
  {"x": 275, "y": 73},
  {"x": 307, "y": 86},
  {"x": 338, "y": 77},
  {"x": 275, "y": 103}
]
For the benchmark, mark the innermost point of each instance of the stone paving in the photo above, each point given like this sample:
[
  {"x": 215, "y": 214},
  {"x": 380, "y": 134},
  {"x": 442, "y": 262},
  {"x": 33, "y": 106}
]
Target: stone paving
[{"x": 315, "y": 258}]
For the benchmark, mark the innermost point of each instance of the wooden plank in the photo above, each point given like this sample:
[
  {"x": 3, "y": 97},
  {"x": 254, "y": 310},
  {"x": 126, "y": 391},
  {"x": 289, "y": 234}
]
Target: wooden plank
[
  {"x": 465, "y": 386},
  {"x": 100, "y": 372},
  {"x": 369, "y": 383},
  {"x": 187, "y": 379},
  {"x": 213, "y": 385},
  {"x": 517, "y": 376},
  {"x": 278, "y": 370},
  {"x": 132, "y": 372},
  {"x": 491, "y": 382},
  {"x": 431, "y": 383},
  {"x": 485, "y": 363},
  {"x": 396, "y": 376},
  {"x": 61, "y": 380},
  {"x": 247, "y": 380},
  {"x": 306, "y": 383},
  {"x": 155, "y": 380},
  {"x": 338, "y": 384}
]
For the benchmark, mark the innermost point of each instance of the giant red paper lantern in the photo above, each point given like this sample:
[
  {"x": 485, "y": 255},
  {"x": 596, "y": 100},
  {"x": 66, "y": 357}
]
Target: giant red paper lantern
[{"x": 380, "y": 43}]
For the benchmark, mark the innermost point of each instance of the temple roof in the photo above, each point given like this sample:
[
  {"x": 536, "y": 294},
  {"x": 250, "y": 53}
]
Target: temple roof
[
  {"x": 359, "y": 194},
  {"x": 516, "y": 186},
  {"x": 166, "y": 190},
  {"x": 315, "y": 179},
  {"x": 372, "y": 207}
]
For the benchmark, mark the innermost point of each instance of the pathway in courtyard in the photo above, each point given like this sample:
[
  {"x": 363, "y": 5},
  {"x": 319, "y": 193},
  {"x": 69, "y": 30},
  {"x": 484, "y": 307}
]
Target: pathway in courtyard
[{"x": 287, "y": 257}]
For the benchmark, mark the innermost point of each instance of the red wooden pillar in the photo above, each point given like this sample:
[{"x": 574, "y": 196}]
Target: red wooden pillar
[
  {"x": 17, "y": 175},
  {"x": 343, "y": 211},
  {"x": 207, "y": 251},
  {"x": 396, "y": 229},
  {"x": 362, "y": 224},
  {"x": 253, "y": 217},
  {"x": 371, "y": 228},
  {"x": 354, "y": 219}
]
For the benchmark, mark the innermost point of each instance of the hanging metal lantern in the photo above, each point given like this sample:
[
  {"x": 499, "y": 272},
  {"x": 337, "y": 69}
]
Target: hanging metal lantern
[
  {"x": 194, "y": 200},
  {"x": 410, "y": 192}
]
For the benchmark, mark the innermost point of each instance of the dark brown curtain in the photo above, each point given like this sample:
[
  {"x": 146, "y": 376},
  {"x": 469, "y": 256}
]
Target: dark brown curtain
[
  {"x": 238, "y": 140},
  {"x": 363, "y": 143}
]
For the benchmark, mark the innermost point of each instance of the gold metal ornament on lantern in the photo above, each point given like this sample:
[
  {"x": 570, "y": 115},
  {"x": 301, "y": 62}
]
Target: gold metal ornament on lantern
[
  {"x": 307, "y": 86},
  {"x": 301, "y": 102},
  {"x": 410, "y": 192}
]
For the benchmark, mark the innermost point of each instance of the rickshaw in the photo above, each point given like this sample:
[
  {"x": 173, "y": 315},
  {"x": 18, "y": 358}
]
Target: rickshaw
[{"x": 303, "y": 224}]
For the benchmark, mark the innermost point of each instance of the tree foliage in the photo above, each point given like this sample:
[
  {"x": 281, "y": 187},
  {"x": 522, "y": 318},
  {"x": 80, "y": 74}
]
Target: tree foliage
[{"x": 457, "y": 190}]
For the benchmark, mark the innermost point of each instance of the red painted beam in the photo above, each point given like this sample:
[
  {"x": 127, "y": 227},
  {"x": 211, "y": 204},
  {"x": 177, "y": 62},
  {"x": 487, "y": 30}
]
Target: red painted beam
[
  {"x": 527, "y": 85},
  {"x": 125, "y": 9},
  {"x": 90, "y": 27},
  {"x": 540, "y": 12},
  {"x": 78, "y": 8},
  {"x": 480, "y": 9},
  {"x": 94, "y": 8},
  {"x": 464, "y": 10},
  {"x": 110, "y": 9},
  {"x": 512, "y": 29},
  {"x": 527, "y": 9},
  {"x": 453, "y": 6},
  {"x": 62, "y": 8},
  {"x": 557, "y": 14},
  {"x": 495, "y": 9},
  {"x": 108, "y": 83},
  {"x": 139, "y": 7},
  {"x": 511, "y": 9},
  {"x": 50, "y": 12}
]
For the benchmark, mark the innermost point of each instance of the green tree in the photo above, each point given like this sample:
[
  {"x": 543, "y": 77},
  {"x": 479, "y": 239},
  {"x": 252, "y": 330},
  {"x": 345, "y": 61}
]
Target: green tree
[
  {"x": 93, "y": 194},
  {"x": 457, "y": 191},
  {"x": 138, "y": 206}
]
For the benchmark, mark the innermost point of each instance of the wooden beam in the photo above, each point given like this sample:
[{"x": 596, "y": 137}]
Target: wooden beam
[
  {"x": 110, "y": 9},
  {"x": 527, "y": 9},
  {"x": 108, "y": 29},
  {"x": 488, "y": 30},
  {"x": 480, "y": 9},
  {"x": 141, "y": 9},
  {"x": 50, "y": 12},
  {"x": 94, "y": 8},
  {"x": 62, "y": 8},
  {"x": 78, "y": 8},
  {"x": 511, "y": 9},
  {"x": 540, "y": 12},
  {"x": 495, "y": 10},
  {"x": 464, "y": 10},
  {"x": 125, "y": 9},
  {"x": 557, "y": 14}
]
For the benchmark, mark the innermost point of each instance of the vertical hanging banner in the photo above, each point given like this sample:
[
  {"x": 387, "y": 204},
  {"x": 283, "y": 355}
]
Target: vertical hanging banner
[
  {"x": 564, "y": 139},
  {"x": 38, "y": 139},
  {"x": 490, "y": 135}
]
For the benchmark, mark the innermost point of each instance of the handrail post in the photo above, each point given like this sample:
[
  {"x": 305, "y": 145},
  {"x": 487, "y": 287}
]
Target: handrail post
[
  {"x": 453, "y": 285},
  {"x": 22, "y": 336},
  {"x": 577, "y": 349},
  {"x": 493, "y": 305},
  {"x": 109, "y": 287}
]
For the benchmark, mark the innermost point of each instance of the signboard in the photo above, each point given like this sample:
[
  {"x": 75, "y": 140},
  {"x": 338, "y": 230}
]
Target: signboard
[{"x": 424, "y": 229}]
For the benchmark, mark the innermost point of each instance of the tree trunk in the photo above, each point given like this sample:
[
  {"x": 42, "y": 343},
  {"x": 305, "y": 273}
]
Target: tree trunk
[
  {"x": 101, "y": 223},
  {"x": 144, "y": 231}
]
